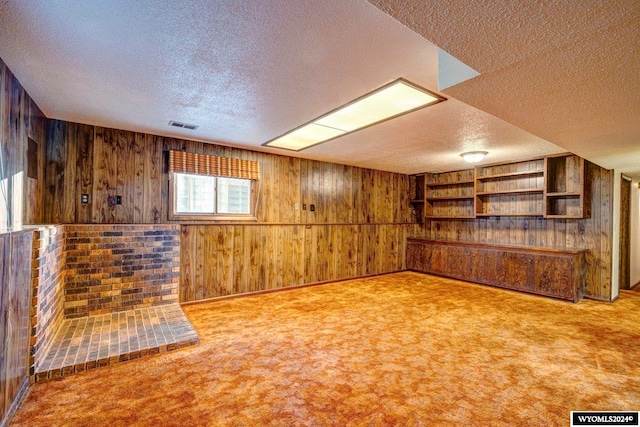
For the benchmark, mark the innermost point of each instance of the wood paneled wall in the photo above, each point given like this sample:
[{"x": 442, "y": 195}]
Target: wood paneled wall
[
  {"x": 593, "y": 233},
  {"x": 227, "y": 260},
  {"x": 276, "y": 251},
  {"x": 83, "y": 159},
  {"x": 20, "y": 119},
  {"x": 15, "y": 303},
  {"x": 21, "y": 202},
  {"x": 359, "y": 225}
]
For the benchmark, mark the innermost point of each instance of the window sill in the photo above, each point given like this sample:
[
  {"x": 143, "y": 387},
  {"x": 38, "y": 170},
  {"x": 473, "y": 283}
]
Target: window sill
[{"x": 213, "y": 218}]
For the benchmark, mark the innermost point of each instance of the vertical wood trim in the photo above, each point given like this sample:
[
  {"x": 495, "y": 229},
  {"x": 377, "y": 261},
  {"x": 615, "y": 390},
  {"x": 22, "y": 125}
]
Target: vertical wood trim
[
  {"x": 624, "y": 280},
  {"x": 54, "y": 196},
  {"x": 124, "y": 177},
  {"x": 84, "y": 177},
  {"x": 606, "y": 241},
  {"x": 188, "y": 254},
  {"x": 203, "y": 257},
  {"x": 138, "y": 196},
  {"x": 152, "y": 180},
  {"x": 5, "y": 398},
  {"x": 224, "y": 271},
  {"x": 69, "y": 174},
  {"x": 299, "y": 254}
]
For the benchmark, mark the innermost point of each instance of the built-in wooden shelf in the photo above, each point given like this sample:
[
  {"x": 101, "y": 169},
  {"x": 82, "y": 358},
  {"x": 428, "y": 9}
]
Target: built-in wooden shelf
[
  {"x": 511, "y": 214},
  {"x": 510, "y": 189},
  {"x": 431, "y": 199},
  {"x": 516, "y": 191},
  {"x": 564, "y": 196},
  {"x": 549, "y": 187},
  {"x": 450, "y": 217},
  {"x": 441, "y": 184},
  {"x": 510, "y": 174},
  {"x": 416, "y": 186},
  {"x": 450, "y": 195}
]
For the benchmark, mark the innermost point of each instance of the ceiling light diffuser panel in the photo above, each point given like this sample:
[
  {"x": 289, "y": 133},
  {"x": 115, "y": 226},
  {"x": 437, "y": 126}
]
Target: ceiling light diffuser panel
[
  {"x": 392, "y": 100},
  {"x": 305, "y": 136}
]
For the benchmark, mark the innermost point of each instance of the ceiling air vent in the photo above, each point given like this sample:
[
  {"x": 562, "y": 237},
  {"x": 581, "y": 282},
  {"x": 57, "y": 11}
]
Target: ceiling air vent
[{"x": 183, "y": 125}]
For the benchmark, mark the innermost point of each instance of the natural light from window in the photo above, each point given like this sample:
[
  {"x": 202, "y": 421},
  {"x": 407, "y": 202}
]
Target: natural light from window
[{"x": 201, "y": 194}]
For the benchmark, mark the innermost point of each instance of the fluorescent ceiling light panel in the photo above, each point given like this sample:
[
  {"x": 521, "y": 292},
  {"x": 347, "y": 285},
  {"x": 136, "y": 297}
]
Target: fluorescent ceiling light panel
[
  {"x": 395, "y": 99},
  {"x": 389, "y": 102},
  {"x": 305, "y": 136}
]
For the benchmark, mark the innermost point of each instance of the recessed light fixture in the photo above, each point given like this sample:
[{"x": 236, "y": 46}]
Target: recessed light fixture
[
  {"x": 389, "y": 101},
  {"x": 474, "y": 156}
]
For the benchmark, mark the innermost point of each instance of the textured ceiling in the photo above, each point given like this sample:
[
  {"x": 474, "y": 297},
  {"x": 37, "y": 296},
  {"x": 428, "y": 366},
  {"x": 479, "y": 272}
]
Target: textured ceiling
[
  {"x": 566, "y": 71},
  {"x": 246, "y": 72}
]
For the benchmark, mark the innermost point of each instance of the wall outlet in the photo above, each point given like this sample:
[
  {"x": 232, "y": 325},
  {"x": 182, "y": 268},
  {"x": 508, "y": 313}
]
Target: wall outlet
[
  {"x": 312, "y": 208},
  {"x": 84, "y": 199},
  {"x": 118, "y": 200},
  {"x": 296, "y": 206}
]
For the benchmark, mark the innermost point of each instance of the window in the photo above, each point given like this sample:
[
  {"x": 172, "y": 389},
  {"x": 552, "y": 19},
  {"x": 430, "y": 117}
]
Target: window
[
  {"x": 233, "y": 196},
  {"x": 206, "y": 187},
  {"x": 201, "y": 195}
]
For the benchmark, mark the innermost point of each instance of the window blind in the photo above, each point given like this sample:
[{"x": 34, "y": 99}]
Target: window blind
[{"x": 204, "y": 164}]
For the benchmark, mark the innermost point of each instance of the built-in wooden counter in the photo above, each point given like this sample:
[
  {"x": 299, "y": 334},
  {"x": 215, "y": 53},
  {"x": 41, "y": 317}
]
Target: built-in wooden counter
[{"x": 557, "y": 273}]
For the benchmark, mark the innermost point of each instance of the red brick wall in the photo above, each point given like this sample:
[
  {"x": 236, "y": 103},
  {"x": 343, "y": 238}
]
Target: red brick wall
[
  {"x": 81, "y": 270},
  {"x": 114, "y": 268},
  {"x": 47, "y": 278}
]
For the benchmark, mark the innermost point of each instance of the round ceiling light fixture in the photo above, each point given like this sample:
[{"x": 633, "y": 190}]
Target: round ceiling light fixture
[{"x": 474, "y": 156}]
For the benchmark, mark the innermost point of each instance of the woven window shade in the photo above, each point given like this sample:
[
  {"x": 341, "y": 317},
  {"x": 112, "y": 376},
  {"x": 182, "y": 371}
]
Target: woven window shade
[{"x": 203, "y": 164}]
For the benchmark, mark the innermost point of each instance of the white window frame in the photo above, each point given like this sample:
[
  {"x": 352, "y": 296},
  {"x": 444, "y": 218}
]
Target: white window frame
[{"x": 208, "y": 216}]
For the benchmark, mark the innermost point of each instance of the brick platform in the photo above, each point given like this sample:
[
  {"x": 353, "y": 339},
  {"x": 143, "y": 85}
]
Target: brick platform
[
  {"x": 91, "y": 342},
  {"x": 83, "y": 276}
]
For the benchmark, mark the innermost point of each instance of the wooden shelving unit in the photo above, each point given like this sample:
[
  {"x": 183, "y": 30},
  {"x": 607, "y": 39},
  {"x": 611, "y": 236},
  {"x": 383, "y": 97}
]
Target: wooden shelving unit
[
  {"x": 417, "y": 189},
  {"x": 564, "y": 189},
  {"x": 449, "y": 195},
  {"x": 510, "y": 189},
  {"x": 549, "y": 187}
]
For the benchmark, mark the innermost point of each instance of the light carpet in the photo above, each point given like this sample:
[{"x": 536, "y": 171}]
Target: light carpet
[{"x": 403, "y": 349}]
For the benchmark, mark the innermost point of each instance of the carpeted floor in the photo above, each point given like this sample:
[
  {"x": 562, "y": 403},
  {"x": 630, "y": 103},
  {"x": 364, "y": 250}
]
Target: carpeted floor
[{"x": 398, "y": 350}]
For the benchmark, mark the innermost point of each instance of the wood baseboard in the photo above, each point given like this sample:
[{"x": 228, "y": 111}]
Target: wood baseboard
[
  {"x": 286, "y": 288},
  {"x": 22, "y": 392},
  {"x": 600, "y": 299}
]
